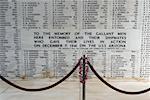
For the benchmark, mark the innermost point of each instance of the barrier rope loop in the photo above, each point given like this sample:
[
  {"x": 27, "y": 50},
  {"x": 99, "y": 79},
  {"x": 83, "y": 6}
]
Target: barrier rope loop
[
  {"x": 44, "y": 88},
  {"x": 114, "y": 88},
  {"x": 81, "y": 80}
]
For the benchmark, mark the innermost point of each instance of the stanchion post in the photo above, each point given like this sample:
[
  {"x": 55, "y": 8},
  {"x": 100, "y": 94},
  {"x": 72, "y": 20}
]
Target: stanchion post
[{"x": 83, "y": 77}]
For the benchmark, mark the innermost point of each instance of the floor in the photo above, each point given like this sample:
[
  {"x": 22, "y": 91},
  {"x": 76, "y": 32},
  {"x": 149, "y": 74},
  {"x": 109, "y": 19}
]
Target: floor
[{"x": 71, "y": 90}]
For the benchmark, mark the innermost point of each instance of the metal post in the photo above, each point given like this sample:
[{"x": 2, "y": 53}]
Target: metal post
[{"x": 83, "y": 84}]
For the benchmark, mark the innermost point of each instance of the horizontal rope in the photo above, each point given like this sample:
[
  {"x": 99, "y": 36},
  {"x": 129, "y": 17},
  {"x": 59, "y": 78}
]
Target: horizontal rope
[
  {"x": 114, "y": 88},
  {"x": 44, "y": 88}
]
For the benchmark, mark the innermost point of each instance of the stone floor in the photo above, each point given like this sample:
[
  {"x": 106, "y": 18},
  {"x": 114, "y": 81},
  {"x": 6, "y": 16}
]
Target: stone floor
[{"x": 71, "y": 90}]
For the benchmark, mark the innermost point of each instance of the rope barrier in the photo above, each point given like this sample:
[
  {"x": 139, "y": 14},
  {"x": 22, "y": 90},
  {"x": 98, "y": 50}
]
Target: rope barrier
[
  {"x": 44, "y": 88},
  {"x": 114, "y": 88},
  {"x": 69, "y": 74}
]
